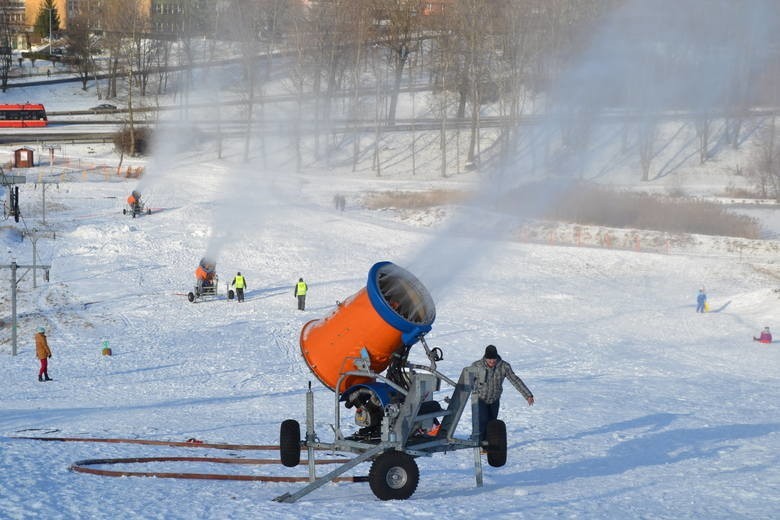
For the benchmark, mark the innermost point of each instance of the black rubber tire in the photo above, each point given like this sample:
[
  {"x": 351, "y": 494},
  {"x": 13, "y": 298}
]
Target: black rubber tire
[
  {"x": 231, "y": 294},
  {"x": 290, "y": 443},
  {"x": 124, "y": 211},
  {"x": 190, "y": 297},
  {"x": 148, "y": 211},
  {"x": 394, "y": 475},
  {"x": 495, "y": 435}
]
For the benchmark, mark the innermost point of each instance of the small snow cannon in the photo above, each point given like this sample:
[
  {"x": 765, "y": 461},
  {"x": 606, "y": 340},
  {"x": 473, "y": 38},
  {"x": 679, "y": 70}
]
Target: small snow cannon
[
  {"x": 206, "y": 281},
  {"x": 135, "y": 205},
  {"x": 360, "y": 351}
]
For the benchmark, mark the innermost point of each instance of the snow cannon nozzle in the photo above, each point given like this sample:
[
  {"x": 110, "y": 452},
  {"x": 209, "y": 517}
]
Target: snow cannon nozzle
[
  {"x": 390, "y": 314},
  {"x": 206, "y": 270}
]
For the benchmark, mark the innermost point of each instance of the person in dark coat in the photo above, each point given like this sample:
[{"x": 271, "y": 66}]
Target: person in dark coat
[
  {"x": 43, "y": 353},
  {"x": 489, "y": 386}
]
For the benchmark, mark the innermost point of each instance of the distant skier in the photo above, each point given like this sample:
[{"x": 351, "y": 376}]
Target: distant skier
[
  {"x": 765, "y": 337},
  {"x": 43, "y": 353},
  {"x": 300, "y": 292},
  {"x": 701, "y": 301},
  {"x": 239, "y": 282},
  {"x": 489, "y": 387}
]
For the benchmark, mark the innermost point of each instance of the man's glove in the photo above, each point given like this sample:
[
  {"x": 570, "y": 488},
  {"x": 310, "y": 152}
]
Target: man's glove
[{"x": 49, "y": 356}]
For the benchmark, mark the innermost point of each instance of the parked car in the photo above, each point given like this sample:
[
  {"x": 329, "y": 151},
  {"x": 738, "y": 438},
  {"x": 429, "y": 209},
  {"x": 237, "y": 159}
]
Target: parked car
[{"x": 103, "y": 106}]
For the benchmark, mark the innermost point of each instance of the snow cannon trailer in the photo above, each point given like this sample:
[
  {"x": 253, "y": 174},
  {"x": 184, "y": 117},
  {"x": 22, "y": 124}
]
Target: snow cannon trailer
[
  {"x": 206, "y": 282},
  {"x": 135, "y": 206},
  {"x": 360, "y": 351}
]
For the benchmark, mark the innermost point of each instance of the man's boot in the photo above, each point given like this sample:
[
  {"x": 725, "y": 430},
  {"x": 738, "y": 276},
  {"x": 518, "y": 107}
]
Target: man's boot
[
  {"x": 46, "y": 377},
  {"x": 40, "y": 377}
]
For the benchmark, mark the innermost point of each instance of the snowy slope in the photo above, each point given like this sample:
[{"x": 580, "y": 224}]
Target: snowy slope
[{"x": 643, "y": 408}]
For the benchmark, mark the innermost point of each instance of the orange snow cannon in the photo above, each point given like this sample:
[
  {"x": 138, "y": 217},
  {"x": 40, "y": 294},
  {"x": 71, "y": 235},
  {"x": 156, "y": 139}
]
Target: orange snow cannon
[
  {"x": 392, "y": 312},
  {"x": 206, "y": 280},
  {"x": 206, "y": 270}
]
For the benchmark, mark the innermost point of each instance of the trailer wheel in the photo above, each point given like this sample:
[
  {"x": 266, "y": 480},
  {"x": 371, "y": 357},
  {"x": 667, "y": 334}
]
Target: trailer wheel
[
  {"x": 124, "y": 211},
  {"x": 495, "y": 435},
  {"x": 394, "y": 475},
  {"x": 231, "y": 294},
  {"x": 190, "y": 296},
  {"x": 149, "y": 211},
  {"x": 290, "y": 443}
]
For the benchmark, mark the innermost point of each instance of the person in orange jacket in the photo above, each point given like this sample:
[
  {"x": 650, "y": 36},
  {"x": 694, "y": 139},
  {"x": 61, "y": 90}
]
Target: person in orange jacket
[{"x": 43, "y": 353}]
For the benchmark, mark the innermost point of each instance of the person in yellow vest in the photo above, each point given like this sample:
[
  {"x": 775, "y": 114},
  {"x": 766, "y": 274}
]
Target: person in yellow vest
[
  {"x": 43, "y": 353},
  {"x": 239, "y": 282},
  {"x": 300, "y": 293}
]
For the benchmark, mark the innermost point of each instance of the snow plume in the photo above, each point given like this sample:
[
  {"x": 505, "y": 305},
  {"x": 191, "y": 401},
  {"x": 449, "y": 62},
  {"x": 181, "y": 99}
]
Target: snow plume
[
  {"x": 186, "y": 136},
  {"x": 646, "y": 62},
  {"x": 251, "y": 196}
]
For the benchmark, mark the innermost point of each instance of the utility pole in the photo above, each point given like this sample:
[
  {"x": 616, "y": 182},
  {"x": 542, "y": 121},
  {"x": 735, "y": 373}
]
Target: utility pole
[
  {"x": 51, "y": 148},
  {"x": 43, "y": 194},
  {"x": 9, "y": 181},
  {"x": 14, "y": 266},
  {"x": 34, "y": 236}
]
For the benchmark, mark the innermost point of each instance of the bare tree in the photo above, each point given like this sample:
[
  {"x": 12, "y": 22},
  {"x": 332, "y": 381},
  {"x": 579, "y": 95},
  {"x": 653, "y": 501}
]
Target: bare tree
[
  {"x": 298, "y": 79},
  {"x": 443, "y": 56},
  {"x": 115, "y": 16},
  {"x": 246, "y": 30},
  {"x": 134, "y": 51},
  {"x": 702, "y": 122},
  {"x": 359, "y": 29},
  {"x": 80, "y": 48},
  {"x": 327, "y": 54},
  {"x": 648, "y": 132},
  {"x": 144, "y": 52},
  {"x": 397, "y": 29},
  {"x": 5, "y": 47},
  {"x": 765, "y": 172}
]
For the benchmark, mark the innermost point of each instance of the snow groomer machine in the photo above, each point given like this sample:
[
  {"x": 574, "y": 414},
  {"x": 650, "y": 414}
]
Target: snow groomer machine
[{"x": 360, "y": 351}]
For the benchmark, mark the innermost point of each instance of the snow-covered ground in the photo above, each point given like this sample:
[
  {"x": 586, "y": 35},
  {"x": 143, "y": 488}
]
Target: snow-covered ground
[{"x": 644, "y": 409}]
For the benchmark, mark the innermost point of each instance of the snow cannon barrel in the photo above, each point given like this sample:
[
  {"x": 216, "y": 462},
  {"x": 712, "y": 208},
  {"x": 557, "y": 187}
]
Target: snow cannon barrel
[
  {"x": 392, "y": 311},
  {"x": 206, "y": 270}
]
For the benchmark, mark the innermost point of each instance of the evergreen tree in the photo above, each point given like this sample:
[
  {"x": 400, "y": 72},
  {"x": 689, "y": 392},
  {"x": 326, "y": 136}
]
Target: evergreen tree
[{"x": 42, "y": 21}]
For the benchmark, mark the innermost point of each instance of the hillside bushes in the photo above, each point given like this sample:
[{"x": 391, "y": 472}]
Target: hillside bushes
[
  {"x": 137, "y": 144},
  {"x": 599, "y": 206},
  {"x": 593, "y": 205}
]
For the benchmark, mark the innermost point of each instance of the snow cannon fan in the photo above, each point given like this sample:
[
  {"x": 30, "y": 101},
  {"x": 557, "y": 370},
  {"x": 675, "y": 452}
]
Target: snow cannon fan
[{"x": 389, "y": 315}]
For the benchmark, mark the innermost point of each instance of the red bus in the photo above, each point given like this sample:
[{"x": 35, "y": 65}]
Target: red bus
[{"x": 22, "y": 116}]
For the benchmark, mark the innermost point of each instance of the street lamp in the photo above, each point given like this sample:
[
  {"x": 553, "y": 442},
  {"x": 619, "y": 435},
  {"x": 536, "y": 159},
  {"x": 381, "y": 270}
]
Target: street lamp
[{"x": 50, "y": 10}]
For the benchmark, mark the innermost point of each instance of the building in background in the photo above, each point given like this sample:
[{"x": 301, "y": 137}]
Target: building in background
[
  {"x": 33, "y": 7},
  {"x": 12, "y": 24},
  {"x": 191, "y": 17}
]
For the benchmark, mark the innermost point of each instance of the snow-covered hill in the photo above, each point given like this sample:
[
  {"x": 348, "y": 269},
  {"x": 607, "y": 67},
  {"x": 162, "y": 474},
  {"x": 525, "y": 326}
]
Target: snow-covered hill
[{"x": 643, "y": 407}]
